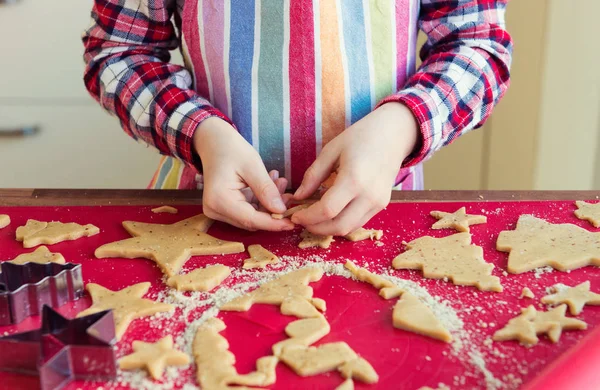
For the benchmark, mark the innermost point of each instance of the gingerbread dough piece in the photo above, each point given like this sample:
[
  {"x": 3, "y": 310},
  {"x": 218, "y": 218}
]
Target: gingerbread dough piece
[
  {"x": 41, "y": 255},
  {"x": 536, "y": 243},
  {"x": 589, "y": 212},
  {"x": 390, "y": 292},
  {"x": 359, "y": 369},
  {"x": 4, "y": 220},
  {"x": 154, "y": 357},
  {"x": 458, "y": 220},
  {"x": 303, "y": 332},
  {"x": 215, "y": 363},
  {"x": 452, "y": 257},
  {"x": 530, "y": 323},
  {"x": 259, "y": 257},
  {"x": 299, "y": 307},
  {"x": 310, "y": 240},
  {"x": 527, "y": 293},
  {"x": 319, "y": 303},
  {"x": 414, "y": 316},
  {"x": 200, "y": 279},
  {"x": 164, "y": 209},
  {"x": 127, "y": 304},
  {"x": 575, "y": 297},
  {"x": 361, "y": 234},
  {"x": 368, "y": 277},
  {"x": 308, "y": 361},
  {"x": 170, "y": 246},
  {"x": 274, "y": 292},
  {"x": 289, "y": 212},
  {"x": 35, "y": 232},
  {"x": 348, "y": 384}
]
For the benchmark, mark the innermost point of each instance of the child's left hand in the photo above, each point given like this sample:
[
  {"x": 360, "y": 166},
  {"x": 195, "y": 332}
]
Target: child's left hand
[{"x": 367, "y": 157}]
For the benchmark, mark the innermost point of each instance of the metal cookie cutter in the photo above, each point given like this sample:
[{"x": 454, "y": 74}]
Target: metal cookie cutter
[
  {"x": 63, "y": 349},
  {"x": 26, "y": 288}
]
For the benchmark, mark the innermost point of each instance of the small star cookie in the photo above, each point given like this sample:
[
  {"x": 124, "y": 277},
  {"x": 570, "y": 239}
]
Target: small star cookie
[
  {"x": 4, "y": 220},
  {"x": 458, "y": 220},
  {"x": 127, "y": 304},
  {"x": 575, "y": 297},
  {"x": 527, "y": 325},
  {"x": 154, "y": 357},
  {"x": 259, "y": 257},
  {"x": 589, "y": 212}
]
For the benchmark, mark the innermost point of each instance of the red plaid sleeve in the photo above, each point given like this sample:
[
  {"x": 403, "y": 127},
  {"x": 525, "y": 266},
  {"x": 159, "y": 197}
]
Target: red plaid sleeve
[
  {"x": 465, "y": 70},
  {"x": 126, "y": 53}
]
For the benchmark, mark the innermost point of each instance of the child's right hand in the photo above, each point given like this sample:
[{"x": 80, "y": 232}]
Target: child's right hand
[{"x": 231, "y": 165}]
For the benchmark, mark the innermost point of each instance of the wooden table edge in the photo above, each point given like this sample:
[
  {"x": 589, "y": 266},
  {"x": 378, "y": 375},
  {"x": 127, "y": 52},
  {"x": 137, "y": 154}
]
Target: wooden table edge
[{"x": 98, "y": 197}]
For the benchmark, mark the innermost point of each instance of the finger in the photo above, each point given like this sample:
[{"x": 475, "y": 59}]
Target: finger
[
  {"x": 330, "y": 205},
  {"x": 317, "y": 172},
  {"x": 281, "y": 184},
  {"x": 264, "y": 188},
  {"x": 238, "y": 212},
  {"x": 356, "y": 215}
]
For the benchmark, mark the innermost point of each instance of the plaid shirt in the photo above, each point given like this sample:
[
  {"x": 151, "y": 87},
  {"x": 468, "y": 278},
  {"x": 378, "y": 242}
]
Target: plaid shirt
[{"x": 465, "y": 70}]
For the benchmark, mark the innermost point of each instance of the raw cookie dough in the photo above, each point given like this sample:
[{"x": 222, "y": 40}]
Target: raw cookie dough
[
  {"x": 527, "y": 325},
  {"x": 310, "y": 240},
  {"x": 527, "y": 293},
  {"x": 274, "y": 292},
  {"x": 35, "y": 232},
  {"x": 536, "y": 243},
  {"x": 458, "y": 220},
  {"x": 259, "y": 257},
  {"x": 216, "y": 364},
  {"x": 359, "y": 369},
  {"x": 41, "y": 255},
  {"x": 361, "y": 234},
  {"x": 4, "y": 220},
  {"x": 414, "y": 316},
  {"x": 289, "y": 212},
  {"x": 452, "y": 257},
  {"x": 299, "y": 307},
  {"x": 126, "y": 304},
  {"x": 589, "y": 212},
  {"x": 387, "y": 289},
  {"x": 164, "y": 209},
  {"x": 308, "y": 361},
  {"x": 440, "y": 386},
  {"x": 170, "y": 246},
  {"x": 348, "y": 384},
  {"x": 575, "y": 297},
  {"x": 303, "y": 333},
  {"x": 200, "y": 279},
  {"x": 154, "y": 357}
]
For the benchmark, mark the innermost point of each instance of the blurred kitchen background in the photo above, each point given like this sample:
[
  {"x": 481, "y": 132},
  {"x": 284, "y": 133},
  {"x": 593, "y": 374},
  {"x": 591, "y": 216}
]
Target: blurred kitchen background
[{"x": 545, "y": 134}]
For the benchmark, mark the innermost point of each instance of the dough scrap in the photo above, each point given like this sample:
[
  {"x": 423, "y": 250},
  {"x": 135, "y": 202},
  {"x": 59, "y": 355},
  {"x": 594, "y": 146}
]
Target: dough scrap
[
  {"x": 200, "y": 279},
  {"x": 530, "y": 323},
  {"x": 390, "y": 292},
  {"x": 289, "y": 212},
  {"x": 164, "y": 209},
  {"x": 303, "y": 333},
  {"x": 35, "y": 232},
  {"x": 363, "y": 275},
  {"x": 527, "y": 293},
  {"x": 216, "y": 364},
  {"x": 308, "y": 361},
  {"x": 127, "y": 304},
  {"x": 575, "y": 297},
  {"x": 170, "y": 246},
  {"x": 41, "y": 255},
  {"x": 458, "y": 220},
  {"x": 536, "y": 243},
  {"x": 348, "y": 384},
  {"x": 4, "y": 220},
  {"x": 359, "y": 369},
  {"x": 361, "y": 234},
  {"x": 440, "y": 386},
  {"x": 154, "y": 357},
  {"x": 589, "y": 212},
  {"x": 452, "y": 257},
  {"x": 319, "y": 303},
  {"x": 259, "y": 257},
  {"x": 414, "y": 316},
  {"x": 299, "y": 307},
  {"x": 274, "y": 292},
  {"x": 310, "y": 240}
]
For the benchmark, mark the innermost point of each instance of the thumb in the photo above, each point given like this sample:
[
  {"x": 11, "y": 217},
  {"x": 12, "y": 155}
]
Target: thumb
[
  {"x": 317, "y": 172},
  {"x": 264, "y": 188}
]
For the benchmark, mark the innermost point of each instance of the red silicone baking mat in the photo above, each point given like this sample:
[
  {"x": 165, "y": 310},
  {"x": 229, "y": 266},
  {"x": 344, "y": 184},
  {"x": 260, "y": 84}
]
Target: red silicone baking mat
[{"x": 356, "y": 313}]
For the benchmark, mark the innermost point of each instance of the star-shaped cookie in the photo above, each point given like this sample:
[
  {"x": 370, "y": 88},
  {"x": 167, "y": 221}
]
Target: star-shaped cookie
[
  {"x": 170, "y": 246},
  {"x": 530, "y": 323},
  {"x": 127, "y": 304},
  {"x": 589, "y": 212},
  {"x": 458, "y": 220},
  {"x": 575, "y": 297},
  {"x": 154, "y": 357}
]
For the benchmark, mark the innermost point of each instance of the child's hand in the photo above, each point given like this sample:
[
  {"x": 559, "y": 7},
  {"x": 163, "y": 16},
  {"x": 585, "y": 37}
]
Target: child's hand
[
  {"x": 366, "y": 157},
  {"x": 234, "y": 175}
]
